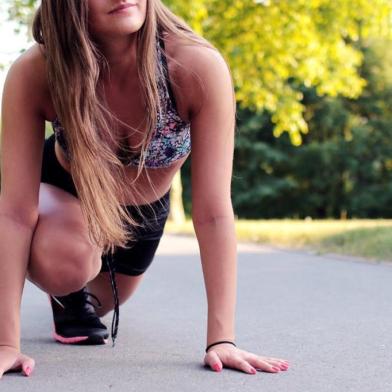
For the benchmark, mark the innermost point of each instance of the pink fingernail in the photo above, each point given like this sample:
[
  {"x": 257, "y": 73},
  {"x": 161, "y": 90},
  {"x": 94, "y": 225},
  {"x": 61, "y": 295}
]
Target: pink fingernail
[
  {"x": 28, "y": 371},
  {"x": 253, "y": 371},
  {"x": 216, "y": 367},
  {"x": 275, "y": 368}
]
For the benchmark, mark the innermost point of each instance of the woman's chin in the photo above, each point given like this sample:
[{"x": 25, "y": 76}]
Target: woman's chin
[{"x": 117, "y": 31}]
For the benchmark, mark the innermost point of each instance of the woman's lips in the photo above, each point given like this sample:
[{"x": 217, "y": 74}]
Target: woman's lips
[{"x": 122, "y": 8}]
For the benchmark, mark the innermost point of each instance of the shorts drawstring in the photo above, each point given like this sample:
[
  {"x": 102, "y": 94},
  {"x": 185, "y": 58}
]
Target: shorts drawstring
[{"x": 116, "y": 311}]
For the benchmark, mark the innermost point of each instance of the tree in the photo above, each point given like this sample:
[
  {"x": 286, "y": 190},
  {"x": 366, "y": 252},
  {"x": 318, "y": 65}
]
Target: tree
[
  {"x": 268, "y": 43},
  {"x": 343, "y": 169}
]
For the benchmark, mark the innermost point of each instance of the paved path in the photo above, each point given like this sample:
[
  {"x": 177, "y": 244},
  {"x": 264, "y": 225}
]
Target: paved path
[{"x": 331, "y": 318}]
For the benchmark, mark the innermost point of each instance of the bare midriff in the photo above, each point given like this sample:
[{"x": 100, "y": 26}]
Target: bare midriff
[{"x": 140, "y": 191}]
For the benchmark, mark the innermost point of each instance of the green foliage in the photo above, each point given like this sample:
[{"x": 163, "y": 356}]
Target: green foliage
[
  {"x": 269, "y": 43},
  {"x": 22, "y": 12},
  {"x": 342, "y": 169},
  {"x": 344, "y": 166}
]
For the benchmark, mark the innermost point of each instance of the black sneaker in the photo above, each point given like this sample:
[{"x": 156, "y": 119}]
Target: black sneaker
[{"x": 75, "y": 319}]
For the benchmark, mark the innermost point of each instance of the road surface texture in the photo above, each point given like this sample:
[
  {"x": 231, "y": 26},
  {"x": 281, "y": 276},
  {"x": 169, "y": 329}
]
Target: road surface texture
[{"x": 329, "y": 316}]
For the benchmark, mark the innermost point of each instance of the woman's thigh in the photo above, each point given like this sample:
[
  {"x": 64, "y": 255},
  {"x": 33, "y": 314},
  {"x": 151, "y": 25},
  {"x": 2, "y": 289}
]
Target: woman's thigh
[
  {"x": 62, "y": 257},
  {"x": 60, "y": 204}
]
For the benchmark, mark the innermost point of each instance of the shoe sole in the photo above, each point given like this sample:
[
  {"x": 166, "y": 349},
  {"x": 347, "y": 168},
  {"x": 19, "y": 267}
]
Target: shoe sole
[{"x": 79, "y": 340}]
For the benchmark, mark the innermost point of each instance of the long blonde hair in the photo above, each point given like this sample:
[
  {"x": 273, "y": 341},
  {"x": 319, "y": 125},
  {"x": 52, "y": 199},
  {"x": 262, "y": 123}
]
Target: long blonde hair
[{"x": 74, "y": 65}]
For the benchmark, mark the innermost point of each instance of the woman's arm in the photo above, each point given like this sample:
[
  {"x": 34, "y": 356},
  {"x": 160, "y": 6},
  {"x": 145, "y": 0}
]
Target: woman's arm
[
  {"x": 212, "y": 130},
  {"x": 22, "y": 137},
  {"x": 210, "y": 98}
]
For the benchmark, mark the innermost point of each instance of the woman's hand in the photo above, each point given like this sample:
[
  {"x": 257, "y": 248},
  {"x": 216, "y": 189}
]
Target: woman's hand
[
  {"x": 12, "y": 359},
  {"x": 228, "y": 355}
]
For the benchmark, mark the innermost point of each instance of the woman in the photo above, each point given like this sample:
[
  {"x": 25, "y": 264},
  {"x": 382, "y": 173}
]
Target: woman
[{"x": 128, "y": 87}]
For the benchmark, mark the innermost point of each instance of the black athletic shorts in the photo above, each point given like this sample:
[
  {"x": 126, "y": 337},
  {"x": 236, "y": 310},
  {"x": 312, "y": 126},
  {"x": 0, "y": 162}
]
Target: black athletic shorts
[{"x": 135, "y": 260}]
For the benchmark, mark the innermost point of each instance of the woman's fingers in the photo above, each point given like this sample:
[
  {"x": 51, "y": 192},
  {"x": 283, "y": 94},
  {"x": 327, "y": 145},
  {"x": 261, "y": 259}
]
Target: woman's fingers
[
  {"x": 12, "y": 360},
  {"x": 266, "y": 363},
  {"x": 241, "y": 364},
  {"x": 211, "y": 359},
  {"x": 27, "y": 364},
  {"x": 234, "y": 361},
  {"x": 243, "y": 360}
]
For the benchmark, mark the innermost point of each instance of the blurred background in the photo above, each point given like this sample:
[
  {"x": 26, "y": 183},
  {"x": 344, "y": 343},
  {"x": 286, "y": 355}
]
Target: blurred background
[{"x": 313, "y": 149}]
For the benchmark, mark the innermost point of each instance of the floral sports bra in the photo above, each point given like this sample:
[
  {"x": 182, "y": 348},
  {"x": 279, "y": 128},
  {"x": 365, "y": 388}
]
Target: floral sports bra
[{"x": 171, "y": 139}]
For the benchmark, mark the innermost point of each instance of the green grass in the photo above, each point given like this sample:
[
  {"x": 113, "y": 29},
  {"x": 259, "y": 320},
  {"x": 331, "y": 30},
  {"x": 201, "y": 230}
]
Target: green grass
[
  {"x": 372, "y": 243},
  {"x": 365, "y": 238}
]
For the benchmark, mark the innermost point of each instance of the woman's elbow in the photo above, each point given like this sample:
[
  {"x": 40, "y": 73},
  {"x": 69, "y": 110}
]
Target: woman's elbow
[{"x": 212, "y": 216}]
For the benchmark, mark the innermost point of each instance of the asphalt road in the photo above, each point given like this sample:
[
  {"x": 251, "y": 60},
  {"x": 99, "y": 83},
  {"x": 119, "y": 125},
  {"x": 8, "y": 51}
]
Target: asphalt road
[{"x": 329, "y": 316}]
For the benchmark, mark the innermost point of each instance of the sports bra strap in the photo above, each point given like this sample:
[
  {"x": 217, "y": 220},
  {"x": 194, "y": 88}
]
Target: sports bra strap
[{"x": 166, "y": 70}]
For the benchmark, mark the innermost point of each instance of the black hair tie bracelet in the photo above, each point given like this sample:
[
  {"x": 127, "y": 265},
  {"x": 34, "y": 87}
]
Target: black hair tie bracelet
[{"x": 221, "y": 341}]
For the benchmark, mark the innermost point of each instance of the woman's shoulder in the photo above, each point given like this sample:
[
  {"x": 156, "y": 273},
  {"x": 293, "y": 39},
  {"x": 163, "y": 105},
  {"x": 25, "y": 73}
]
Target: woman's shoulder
[
  {"x": 196, "y": 68},
  {"x": 191, "y": 56},
  {"x": 29, "y": 71},
  {"x": 31, "y": 62}
]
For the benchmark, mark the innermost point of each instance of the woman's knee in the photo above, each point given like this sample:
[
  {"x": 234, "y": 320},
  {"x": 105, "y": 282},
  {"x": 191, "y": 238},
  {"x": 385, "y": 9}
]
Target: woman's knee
[{"x": 61, "y": 265}]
